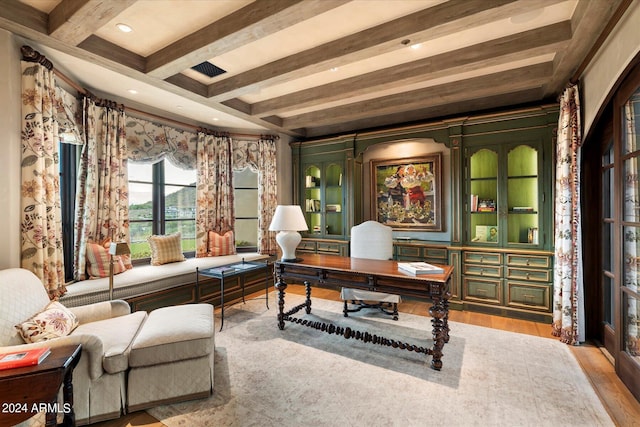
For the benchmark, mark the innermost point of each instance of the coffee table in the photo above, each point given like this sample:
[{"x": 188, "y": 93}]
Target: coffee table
[{"x": 237, "y": 269}]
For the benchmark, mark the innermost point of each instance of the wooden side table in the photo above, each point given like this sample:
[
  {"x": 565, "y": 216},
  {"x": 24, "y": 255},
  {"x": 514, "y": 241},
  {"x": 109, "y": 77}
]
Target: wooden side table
[{"x": 29, "y": 390}]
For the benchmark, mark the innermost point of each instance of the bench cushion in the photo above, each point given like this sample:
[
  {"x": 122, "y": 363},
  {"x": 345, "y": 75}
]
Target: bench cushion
[{"x": 174, "y": 333}]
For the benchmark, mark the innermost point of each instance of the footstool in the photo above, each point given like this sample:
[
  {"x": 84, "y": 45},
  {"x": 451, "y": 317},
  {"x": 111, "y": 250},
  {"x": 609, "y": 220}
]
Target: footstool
[{"x": 171, "y": 359}]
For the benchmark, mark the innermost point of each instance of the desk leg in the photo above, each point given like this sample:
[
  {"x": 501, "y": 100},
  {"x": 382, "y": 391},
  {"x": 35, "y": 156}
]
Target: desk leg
[
  {"x": 439, "y": 314},
  {"x": 307, "y": 286},
  {"x": 221, "y": 302},
  {"x": 67, "y": 394},
  {"x": 280, "y": 287}
]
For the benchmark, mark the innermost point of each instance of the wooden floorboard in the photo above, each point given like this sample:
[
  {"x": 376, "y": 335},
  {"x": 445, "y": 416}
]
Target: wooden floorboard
[{"x": 618, "y": 401}]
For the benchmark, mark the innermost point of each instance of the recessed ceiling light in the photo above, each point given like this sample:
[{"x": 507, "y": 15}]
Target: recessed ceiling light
[
  {"x": 334, "y": 69},
  {"x": 215, "y": 119},
  {"x": 133, "y": 91},
  {"x": 124, "y": 28},
  {"x": 179, "y": 107},
  {"x": 416, "y": 46}
]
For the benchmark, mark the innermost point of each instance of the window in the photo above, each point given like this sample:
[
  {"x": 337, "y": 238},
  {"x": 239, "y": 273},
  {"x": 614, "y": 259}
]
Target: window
[
  {"x": 162, "y": 200},
  {"x": 69, "y": 158},
  {"x": 245, "y": 184}
]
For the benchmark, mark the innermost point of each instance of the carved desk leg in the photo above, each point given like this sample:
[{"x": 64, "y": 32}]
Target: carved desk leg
[
  {"x": 280, "y": 286},
  {"x": 307, "y": 286},
  {"x": 439, "y": 316}
]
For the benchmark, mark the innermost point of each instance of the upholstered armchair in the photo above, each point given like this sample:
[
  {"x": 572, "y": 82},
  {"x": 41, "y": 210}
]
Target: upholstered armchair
[
  {"x": 105, "y": 330},
  {"x": 370, "y": 240}
]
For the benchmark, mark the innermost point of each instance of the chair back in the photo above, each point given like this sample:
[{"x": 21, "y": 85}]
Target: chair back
[
  {"x": 371, "y": 240},
  {"x": 22, "y": 295}
]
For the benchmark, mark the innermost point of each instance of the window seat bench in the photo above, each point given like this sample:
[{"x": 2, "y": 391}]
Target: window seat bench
[{"x": 146, "y": 287}]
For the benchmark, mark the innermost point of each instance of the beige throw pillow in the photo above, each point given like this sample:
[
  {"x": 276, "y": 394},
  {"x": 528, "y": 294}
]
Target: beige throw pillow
[{"x": 166, "y": 249}]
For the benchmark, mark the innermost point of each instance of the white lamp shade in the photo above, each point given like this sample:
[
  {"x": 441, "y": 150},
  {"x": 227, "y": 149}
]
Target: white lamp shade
[{"x": 288, "y": 218}]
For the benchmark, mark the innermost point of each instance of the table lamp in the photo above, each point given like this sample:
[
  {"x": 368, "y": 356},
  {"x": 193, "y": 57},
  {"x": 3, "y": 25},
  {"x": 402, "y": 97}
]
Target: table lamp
[
  {"x": 288, "y": 220},
  {"x": 115, "y": 249}
]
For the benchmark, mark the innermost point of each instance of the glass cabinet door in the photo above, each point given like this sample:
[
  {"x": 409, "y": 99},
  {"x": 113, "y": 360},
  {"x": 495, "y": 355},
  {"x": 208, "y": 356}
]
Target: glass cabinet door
[
  {"x": 312, "y": 199},
  {"x": 483, "y": 193},
  {"x": 522, "y": 196},
  {"x": 333, "y": 200}
]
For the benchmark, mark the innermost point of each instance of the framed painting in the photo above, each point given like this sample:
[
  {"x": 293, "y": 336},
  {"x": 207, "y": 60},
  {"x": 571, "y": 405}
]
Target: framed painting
[{"x": 406, "y": 193}]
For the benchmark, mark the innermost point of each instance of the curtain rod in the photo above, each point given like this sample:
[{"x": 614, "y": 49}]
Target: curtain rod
[{"x": 31, "y": 55}]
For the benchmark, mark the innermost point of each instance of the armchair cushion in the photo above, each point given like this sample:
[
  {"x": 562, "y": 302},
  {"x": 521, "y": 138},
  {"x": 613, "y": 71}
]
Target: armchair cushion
[
  {"x": 53, "y": 322},
  {"x": 116, "y": 335}
]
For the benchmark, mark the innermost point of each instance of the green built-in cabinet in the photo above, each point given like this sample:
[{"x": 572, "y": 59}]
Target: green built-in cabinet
[{"x": 499, "y": 211}]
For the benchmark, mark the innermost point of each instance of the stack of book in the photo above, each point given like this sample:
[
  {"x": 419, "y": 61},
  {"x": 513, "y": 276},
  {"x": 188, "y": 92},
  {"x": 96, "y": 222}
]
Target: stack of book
[{"x": 419, "y": 268}]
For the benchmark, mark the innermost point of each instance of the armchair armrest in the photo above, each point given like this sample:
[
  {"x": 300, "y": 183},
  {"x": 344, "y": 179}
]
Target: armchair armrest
[
  {"x": 100, "y": 311},
  {"x": 92, "y": 350}
]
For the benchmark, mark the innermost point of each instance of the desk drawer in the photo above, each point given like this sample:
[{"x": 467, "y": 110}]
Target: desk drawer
[
  {"x": 328, "y": 248},
  {"x": 529, "y": 296},
  {"x": 482, "y": 290},
  {"x": 482, "y": 270},
  {"x": 536, "y": 261},
  {"x": 528, "y": 274},
  {"x": 482, "y": 258}
]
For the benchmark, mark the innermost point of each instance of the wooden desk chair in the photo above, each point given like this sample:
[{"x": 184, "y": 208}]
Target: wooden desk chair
[{"x": 370, "y": 240}]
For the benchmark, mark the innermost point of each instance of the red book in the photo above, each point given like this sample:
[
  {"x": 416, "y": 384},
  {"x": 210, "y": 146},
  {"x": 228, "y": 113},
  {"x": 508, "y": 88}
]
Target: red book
[{"x": 18, "y": 359}]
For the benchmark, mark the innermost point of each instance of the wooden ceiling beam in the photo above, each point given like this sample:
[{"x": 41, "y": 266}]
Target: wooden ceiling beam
[
  {"x": 528, "y": 44},
  {"x": 251, "y": 23},
  {"x": 428, "y": 24},
  {"x": 500, "y": 82},
  {"x": 421, "y": 114},
  {"x": 72, "y": 21}
]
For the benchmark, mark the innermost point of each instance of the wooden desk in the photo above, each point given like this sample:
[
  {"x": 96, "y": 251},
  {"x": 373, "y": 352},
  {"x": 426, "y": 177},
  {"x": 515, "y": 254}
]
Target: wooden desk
[
  {"x": 26, "y": 391},
  {"x": 372, "y": 275}
]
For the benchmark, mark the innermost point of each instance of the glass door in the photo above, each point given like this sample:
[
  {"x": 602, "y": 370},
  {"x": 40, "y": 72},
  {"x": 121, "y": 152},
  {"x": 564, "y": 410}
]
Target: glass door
[
  {"x": 483, "y": 193},
  {"x": 313, "y": 199},
  {"x": 523, "y": 185}
]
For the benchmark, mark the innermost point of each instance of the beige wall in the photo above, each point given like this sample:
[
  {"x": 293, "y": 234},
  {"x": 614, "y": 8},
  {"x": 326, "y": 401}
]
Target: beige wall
[
  {"x": 10, "y": 148},
  {"x": 597, "y": 81}
]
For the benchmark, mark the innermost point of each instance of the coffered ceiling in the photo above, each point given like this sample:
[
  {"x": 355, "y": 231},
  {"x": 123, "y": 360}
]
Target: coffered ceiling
[{"x": 315, "y": 67}]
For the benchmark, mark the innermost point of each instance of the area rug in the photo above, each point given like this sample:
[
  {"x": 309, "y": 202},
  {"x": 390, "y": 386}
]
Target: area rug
[{"x": 304, "y": 377}]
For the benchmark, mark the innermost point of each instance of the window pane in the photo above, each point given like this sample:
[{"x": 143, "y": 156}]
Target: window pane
[
  {"x": 188, "y": 230},
  {"x": 631, "y": 191},
  {"x": 631, "y": 309},
  {"x": 246, "y": 203},
  {"x": 607, "y": 296},
  {"x": 179, "y": 202},
  {"x": 631, "y": 256},
  {"x": 607, "y": 193},
  {"x": 631, "y": 123},
  {"x": 139, "y": 171},
  {"x": 246, "y": 232},
  {"x": 175, "y": 175},
  {"x": 140, "y": 231},
  {"x": 245, "y": 179},
  {"x": 607, "y": 245}
]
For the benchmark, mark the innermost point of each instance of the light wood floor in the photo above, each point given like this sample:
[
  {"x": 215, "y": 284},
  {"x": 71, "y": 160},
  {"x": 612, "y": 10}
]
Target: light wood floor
[{"x": 619, "y": 402}]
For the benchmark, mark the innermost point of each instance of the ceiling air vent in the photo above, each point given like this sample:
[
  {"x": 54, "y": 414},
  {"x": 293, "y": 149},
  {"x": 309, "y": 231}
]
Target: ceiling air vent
[{"x": 208, "y": 69}]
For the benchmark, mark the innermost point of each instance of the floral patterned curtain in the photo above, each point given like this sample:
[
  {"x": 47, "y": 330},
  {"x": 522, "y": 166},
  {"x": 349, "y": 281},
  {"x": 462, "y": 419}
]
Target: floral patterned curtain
[
  {"x": 149, "y": 142},
  {"x": 267, "y": 194},
  {"x": 631, "y": 241},
  {"x": 102, "y": 209},
  {"x": 214, "y": 188},
  {"x": 568, "y": 295},
  {"x": 41, "y": 250}
]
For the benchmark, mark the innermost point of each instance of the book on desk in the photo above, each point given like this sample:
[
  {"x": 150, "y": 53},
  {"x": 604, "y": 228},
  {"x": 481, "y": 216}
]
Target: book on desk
[
  {"x": 19, "y": 359},
  {"x": 419, "y": 268}
]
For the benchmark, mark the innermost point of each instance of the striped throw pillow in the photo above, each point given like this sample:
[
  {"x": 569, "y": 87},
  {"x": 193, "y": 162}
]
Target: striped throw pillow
[
  {"x": 166, "y": 249},
  {"x": 221, "y": 245},
  {"x": 98, "y": 260}
]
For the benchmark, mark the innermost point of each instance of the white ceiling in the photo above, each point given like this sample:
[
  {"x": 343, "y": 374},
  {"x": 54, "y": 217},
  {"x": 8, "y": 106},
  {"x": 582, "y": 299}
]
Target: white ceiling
[{"x": 315, "y": 67}]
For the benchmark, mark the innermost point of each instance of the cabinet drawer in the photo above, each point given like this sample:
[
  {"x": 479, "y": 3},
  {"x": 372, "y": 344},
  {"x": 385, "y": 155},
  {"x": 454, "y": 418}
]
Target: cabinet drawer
[
  {"x": 328, "y": 248},
  {"x": 409, "y": 251},
  {"x": 529, "y": 274},
  {"x": 436, "y": 253},
  {"x": 487, "y": 291},
  {"x": 307, "y": 246},
  {"x": 482, "y": 270},
  {"x": 538, "y": 261},
  {"x": 482, "y": 257},
  {"x": 529, "y": 296}
]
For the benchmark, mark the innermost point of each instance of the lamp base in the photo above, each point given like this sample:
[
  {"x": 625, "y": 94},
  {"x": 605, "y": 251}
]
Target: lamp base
[{"x": 288, "y": 242}]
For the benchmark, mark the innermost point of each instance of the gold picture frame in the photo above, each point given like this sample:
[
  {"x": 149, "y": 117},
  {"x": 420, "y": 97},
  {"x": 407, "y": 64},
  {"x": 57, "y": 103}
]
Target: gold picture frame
[{"x": 406, "y": 193}]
